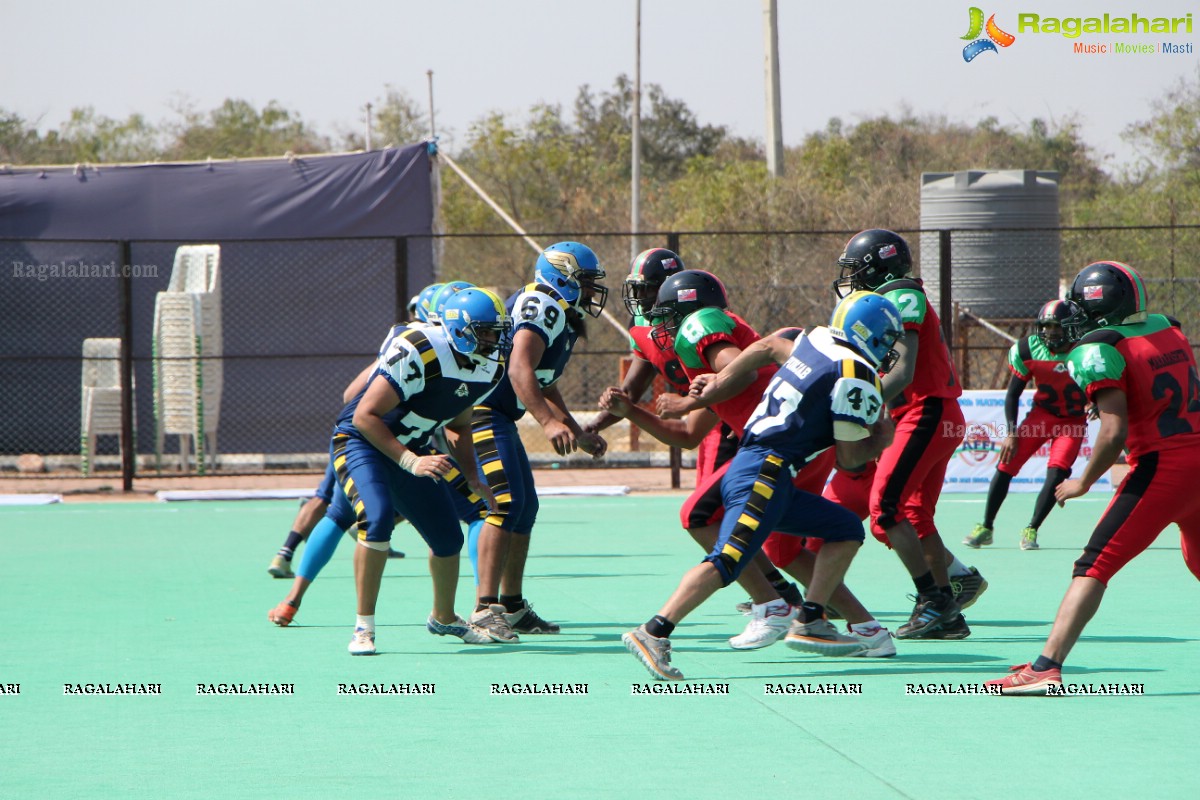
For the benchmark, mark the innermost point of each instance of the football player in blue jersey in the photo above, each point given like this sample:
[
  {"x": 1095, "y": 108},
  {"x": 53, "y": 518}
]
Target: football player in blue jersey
[
  {"x": 331, "y": 522},
  {"x": 826, "y": 394},
  {"x": 427, "y": 378},
  {"x": 548, "y": 320},
  {"x": 313, "y": 510}
]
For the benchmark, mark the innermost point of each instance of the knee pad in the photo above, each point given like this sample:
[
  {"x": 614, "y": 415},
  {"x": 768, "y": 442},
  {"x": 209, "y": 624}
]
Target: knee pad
[
  {"x": 726, "y": 566},
  {"x": 500, "y": 516},
  {"x": 379, "y": 547}
]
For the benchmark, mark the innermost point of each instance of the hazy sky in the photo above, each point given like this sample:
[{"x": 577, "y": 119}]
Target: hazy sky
[{"x": 326, "y": 60}]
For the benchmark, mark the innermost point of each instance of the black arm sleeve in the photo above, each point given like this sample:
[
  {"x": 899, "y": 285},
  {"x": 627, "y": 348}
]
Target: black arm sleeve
[{"x": 1011, "y": 400}]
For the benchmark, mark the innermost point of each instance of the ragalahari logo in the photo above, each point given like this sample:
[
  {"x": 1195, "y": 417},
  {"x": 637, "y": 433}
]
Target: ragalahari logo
[{"x": 995, "y": 36}]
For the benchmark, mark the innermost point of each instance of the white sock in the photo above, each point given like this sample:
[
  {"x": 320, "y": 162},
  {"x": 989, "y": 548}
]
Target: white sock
[
  {"x": 365, "y": 623},
  {"x": 957, "y": 568},
  {"x": 868, "y": 628}
]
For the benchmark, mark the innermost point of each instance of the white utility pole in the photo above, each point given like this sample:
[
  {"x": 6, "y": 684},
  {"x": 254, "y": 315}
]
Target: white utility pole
[
  {"x": 774, "y": 104},
  {"x": 635, "y": 188},
  {"x": 367, "y": 139},
  {"x": 432, "y": 126}
]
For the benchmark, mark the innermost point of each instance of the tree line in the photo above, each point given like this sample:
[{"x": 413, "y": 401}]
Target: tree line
[
  {"x": 565, "y": 172},
  {"x": 569, "y": 169}
]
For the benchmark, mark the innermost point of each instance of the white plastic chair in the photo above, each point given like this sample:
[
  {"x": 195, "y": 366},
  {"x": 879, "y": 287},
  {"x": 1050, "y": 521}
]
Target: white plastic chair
[
  {"x": 100, "y": 401},
  {"x": 188, "y": 344}
]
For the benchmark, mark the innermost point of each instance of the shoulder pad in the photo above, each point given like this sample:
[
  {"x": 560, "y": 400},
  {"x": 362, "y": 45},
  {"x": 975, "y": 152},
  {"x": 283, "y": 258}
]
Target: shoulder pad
[
  {"x": 900, "y": 283},
  {"x": 1024, "y": 349},
  {"x": 545, "y": 288},
  {"x": 1102, "y": 336},
  {"x": 420, "y": 342},
  {"x": 853, "y": 368}
]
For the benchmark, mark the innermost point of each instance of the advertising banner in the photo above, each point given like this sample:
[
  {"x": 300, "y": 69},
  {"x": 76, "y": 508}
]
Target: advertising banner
[{"x": 974, "y": 462}]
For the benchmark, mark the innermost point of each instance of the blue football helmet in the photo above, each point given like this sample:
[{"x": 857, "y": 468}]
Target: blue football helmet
[
  {"x": 425, "y": 301},
  {"x": 438, "y": 302},
  {"x": 478, "y": 324},
  {"x": 570, "y": 268},
  {"x": 869, "y": 324}
]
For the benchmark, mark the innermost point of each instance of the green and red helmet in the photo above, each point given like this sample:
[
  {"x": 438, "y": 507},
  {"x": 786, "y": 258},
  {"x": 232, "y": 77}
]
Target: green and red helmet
[
  {"x": 646, "y": 274},
  {"x": 1104, "y": 294}
]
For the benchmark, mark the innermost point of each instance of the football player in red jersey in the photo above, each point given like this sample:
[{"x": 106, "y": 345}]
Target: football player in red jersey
[
  {"x": 646, "y": 275},
  {"x": 922, "y": 392},
  {"x": 693, "y": 324},
  {"x": 1058, "y": 416},
  {"x": 1139, "y": 371}
]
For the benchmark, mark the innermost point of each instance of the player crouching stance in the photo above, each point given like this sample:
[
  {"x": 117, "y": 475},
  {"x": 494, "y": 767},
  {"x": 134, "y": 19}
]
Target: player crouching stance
[
  {"x": 426, "y": 379},
  {"x": 825, "y": 394}
]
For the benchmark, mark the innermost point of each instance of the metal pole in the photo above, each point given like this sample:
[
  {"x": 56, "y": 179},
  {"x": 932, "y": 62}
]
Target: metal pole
[
  {"x": 945, "y": 296},
  {"x": 402, "y": 291},
  {"x": 676, "y": 455},
  {"x": 432, "y": 124},
  {"x": 635, "y": 187},
  {"x": 128, "y": 457},
  {"x": 367, "y": 139},
  {"x": 774, "y": 103}
]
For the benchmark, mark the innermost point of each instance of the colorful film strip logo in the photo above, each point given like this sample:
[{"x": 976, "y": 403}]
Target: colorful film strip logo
[{"x": 995, "y": 36}]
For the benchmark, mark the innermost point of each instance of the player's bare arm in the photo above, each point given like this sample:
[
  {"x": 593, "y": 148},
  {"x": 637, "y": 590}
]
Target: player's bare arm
[
  {"x": 462, "y": 447},
  {"x": 710, "y": 389},
  {"x": 685, "y": 434},
  {"x": 1112, "y": 406},
  {"x": 379, "y": 399},
  {"x": 591, "y": 443},
  {"x": 902, "y": 374},
  {"x": 637, "y": 380},
  {"x": 527, "y": 351}
]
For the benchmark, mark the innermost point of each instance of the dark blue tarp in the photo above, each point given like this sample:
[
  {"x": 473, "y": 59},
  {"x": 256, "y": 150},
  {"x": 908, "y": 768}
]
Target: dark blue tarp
[
  {"x": 382, "y": 193},
  {"x": 310, "y": 263}
]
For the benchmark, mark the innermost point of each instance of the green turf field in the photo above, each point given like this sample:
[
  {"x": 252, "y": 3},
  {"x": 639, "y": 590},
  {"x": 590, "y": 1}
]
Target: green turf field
[{"x": 177, "y": 594}]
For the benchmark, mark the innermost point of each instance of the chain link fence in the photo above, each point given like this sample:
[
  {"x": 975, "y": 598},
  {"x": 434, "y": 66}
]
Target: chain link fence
[{"x": 299, "y": 319}]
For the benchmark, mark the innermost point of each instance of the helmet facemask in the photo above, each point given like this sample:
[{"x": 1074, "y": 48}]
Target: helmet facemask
[
  {"x": 1077, "y": 323},
  {"x": 853, "y": 278},
  {"x": 493, "y": 340},
  {"x": 639, "y": 295},
  {"x": 666, "y": 321},
  {"x": 593, "y": 295}
]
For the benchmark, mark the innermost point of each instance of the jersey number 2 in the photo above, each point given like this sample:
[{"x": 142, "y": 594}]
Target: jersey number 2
[{"x": 1165, "y": 386}]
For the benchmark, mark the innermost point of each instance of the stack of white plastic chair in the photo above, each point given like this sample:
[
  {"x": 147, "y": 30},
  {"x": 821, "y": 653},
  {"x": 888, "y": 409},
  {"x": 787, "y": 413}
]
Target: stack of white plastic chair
[
  {"x": 188, "y": 372},
  {"x": 100, "y": 402}
]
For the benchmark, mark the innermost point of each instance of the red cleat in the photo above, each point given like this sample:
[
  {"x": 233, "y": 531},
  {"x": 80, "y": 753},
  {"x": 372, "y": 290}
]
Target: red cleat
[
  {"x": 1024, "y": 679},
  {"x": 282, "y": 614}
]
